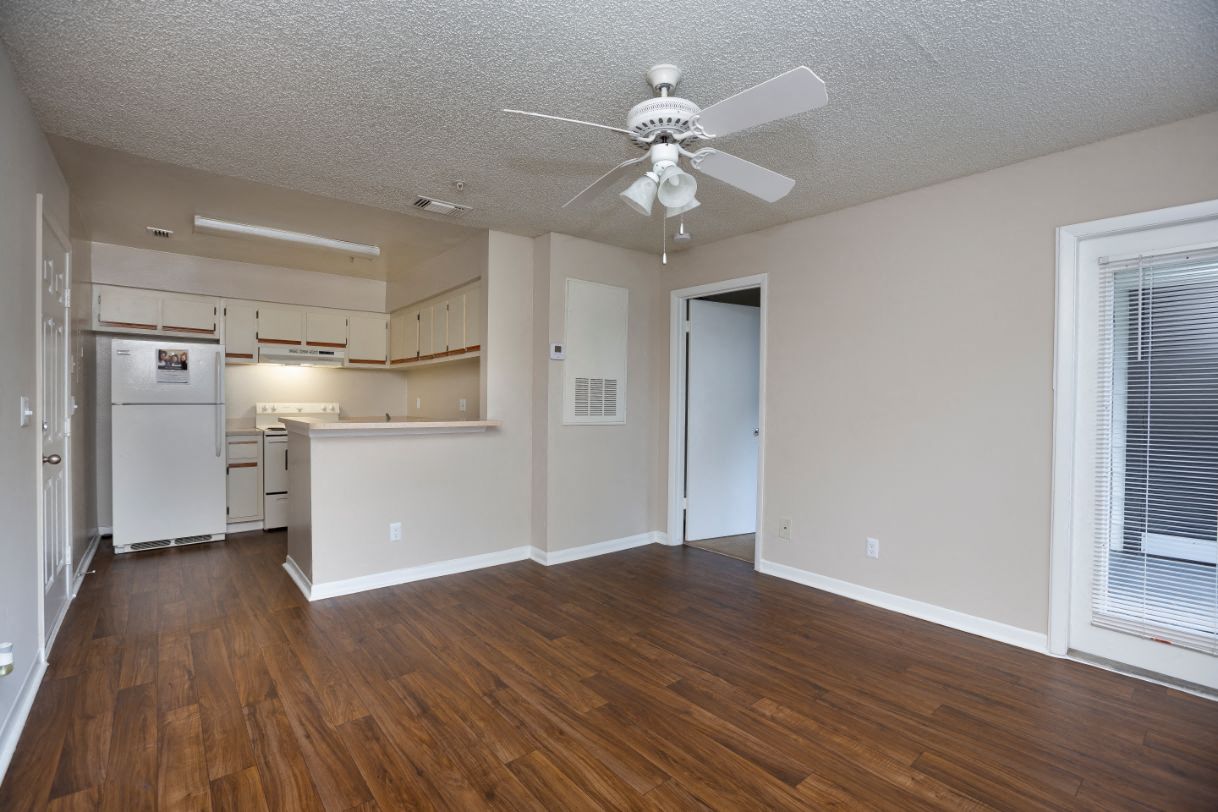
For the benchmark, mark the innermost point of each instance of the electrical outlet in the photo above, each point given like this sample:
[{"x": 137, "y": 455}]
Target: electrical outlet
[
  {"x": 418, "y": 403},
  {"x": 395, "y": 531},
  {"x": 784, "y": 529},
  {"x": 873, "y": 548},
  {"x": 461, "y": 404}
]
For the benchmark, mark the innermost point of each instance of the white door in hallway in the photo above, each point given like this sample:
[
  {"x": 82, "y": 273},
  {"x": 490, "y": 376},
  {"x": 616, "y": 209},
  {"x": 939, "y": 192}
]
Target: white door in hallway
[
  {"x": 52, "y": 411},
  {"x": 722, "y": 415}
]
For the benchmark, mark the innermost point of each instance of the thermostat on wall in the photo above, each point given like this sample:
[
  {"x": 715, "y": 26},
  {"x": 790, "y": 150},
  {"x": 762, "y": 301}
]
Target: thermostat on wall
[{"x": 557, "y": 352}]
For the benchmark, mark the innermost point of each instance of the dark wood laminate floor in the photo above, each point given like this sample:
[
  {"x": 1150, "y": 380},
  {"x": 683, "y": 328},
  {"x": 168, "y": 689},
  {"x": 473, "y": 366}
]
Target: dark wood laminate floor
[{"x": 657, "y": 678}]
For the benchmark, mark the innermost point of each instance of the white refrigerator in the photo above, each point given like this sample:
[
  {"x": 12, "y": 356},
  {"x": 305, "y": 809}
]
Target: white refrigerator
[{"x": 167, "y": 443}]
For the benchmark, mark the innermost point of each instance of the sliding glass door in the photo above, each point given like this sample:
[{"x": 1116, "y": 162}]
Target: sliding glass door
[{"x": 1145, "y": 580}]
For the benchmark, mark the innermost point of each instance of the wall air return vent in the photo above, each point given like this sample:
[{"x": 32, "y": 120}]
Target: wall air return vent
[
  {"x": 594, "y": 370},
  {"x": 440, "y": 207},
  {"x": 163, "y": 233},
  {"x": 596, "y": 397}
]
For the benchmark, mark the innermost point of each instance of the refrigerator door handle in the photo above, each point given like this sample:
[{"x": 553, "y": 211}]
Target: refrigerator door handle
[{"x": 219, "y": 369}]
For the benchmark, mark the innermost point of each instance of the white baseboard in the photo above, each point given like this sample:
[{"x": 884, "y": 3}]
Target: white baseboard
[
  {"x": 105, "y": 530},
  {"x": 16, "y": 720},
  {"x": 550, "y": 558},
  {"x": 243, "y": 527},
  {"x": 1012, "y": 635},
  {"x": 362, "y": 583},
  {"x": 79, "y": 576}
]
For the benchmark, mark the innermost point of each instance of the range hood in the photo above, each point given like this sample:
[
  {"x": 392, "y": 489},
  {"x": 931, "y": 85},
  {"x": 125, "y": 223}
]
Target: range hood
[{"x": 301, "y": 356}]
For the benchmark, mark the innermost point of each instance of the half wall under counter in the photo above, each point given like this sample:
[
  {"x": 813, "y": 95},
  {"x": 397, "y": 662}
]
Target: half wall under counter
[{"x": 350, "y": 482}]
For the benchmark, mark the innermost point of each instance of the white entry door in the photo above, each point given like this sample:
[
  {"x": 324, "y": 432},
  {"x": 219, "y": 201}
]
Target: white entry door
[
  {"x": 52, "y": 409},
  {"x": 1145, "y": 494},
  {"x": 722, "y": 415}
]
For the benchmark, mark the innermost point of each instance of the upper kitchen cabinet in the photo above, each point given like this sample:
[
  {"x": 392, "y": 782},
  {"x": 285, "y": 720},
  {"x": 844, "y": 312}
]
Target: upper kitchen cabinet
[
  {"x": 182, "y": 315},
  {"x": 280, "y": 324},
  {"x": 126, "y": 309},
  {"x": 473, "y": 316},
  {"x": 368, "y": 339},
  {"x": 445, "y": 326},
  {"x": 326, "y": 328},
  {"x": 455, "y": 307},
  {"x": 131, "y": 310},
  {"x": 240, "y": 332},
  {"x": 404, "y": 336}
]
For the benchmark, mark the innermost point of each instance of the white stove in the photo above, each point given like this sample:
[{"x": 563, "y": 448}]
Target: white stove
[{"x": 267, "y": 418}]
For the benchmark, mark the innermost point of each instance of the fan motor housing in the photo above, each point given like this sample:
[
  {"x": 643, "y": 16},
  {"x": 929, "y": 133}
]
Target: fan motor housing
[{"x": 665, "y": 114}]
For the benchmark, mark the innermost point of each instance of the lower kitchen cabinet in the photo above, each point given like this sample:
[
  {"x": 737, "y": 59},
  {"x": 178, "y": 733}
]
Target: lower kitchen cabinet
[{"x": 244, "y": 479}]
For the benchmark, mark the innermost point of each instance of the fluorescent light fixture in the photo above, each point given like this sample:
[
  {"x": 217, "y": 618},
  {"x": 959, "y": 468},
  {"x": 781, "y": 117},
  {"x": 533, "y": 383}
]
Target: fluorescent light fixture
[{"x": 209, "y": 225}]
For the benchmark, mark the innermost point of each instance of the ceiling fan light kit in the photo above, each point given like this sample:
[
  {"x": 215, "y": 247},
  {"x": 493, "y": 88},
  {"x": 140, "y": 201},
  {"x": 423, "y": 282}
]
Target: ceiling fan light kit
[{"x": 666, "y": 125}]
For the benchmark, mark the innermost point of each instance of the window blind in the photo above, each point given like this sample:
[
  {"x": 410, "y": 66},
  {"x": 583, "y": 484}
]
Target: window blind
[{"x": 1156, "y": 539}]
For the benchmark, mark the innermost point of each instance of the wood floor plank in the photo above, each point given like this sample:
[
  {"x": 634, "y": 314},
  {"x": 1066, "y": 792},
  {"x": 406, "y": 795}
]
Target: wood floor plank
[
  {"x": 182, "y": 765},
  {"x": 656, "y": 678},
  {"x": 131, "y": 774}
]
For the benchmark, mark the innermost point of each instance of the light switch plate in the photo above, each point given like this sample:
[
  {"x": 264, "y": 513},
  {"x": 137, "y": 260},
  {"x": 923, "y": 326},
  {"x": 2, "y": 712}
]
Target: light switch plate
[{"x": 558, "y": 352}]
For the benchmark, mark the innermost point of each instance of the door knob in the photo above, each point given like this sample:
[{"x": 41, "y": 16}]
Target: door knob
[{"x": 53, "y": 459}]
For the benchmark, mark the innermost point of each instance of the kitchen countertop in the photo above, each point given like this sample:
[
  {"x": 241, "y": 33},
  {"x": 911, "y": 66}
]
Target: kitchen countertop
[{"x": 367, "y": 426}]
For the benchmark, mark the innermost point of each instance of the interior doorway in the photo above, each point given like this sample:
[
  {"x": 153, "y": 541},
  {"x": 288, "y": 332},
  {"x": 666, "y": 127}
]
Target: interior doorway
[{"x": 716, "y": 441}]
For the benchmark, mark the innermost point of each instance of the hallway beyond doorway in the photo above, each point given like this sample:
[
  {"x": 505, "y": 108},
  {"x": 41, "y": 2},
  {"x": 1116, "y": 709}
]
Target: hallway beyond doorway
[{"x": 741, "y": 547}]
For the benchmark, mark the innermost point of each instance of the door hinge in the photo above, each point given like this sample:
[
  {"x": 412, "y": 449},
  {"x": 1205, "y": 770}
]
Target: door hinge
[
  {"x": 684, "y": 503},
  {"x": 687, "y": 325},
  {"x": 67, "y": 298}
]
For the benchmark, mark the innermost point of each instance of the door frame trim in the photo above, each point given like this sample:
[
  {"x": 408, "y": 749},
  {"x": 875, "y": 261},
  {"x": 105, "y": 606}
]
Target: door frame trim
[
  {"x": 1065, "y": 393},
  {"x": 41, "y": 215},
  {"x": 677, "y": 363}
]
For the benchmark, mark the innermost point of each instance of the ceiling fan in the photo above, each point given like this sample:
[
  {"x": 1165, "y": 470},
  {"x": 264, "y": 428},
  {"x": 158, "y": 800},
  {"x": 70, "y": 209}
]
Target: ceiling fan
[{"x": 666, "y": 126}]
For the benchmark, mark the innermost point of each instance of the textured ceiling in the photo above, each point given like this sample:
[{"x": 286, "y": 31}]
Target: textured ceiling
[{"x": 374, "y": 102}]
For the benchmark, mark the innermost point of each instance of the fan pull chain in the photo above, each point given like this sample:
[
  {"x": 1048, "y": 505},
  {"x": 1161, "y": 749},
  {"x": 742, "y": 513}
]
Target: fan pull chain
[{"x": 664, "y": 240}]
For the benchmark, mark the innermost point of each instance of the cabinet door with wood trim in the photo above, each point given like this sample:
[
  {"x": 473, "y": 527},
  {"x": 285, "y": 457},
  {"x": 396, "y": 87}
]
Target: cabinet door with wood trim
[
  {"x": 473, "y": 316},
  {"x": 240, "y": 332},
  {"x": 190, "y": 316},
  {"x": 456, "y": 312},
  {"x": 426, "y": 342},
  {"x": 326, "y": 328},
  {"x": 367, "y": 339},
  {"x": 404, "y": 336},
  {"x": 280, "y": 325},
  {"x": 439, "y": 328},
  {"x": 127, "y": 309}
]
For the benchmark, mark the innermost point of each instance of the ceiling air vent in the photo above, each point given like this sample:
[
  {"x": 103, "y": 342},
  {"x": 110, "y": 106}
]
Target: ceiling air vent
[
  {"x": 163, "y": 233},
  {"x": 440, "y": 207}
]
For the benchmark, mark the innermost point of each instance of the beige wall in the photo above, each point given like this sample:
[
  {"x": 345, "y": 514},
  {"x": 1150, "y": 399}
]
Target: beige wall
[
  {"x": 27, "y": 168},
  {"x": 84, "y": 390},
  {"x": 436, "y": 391},
  {"x": 161, "y": 270},
  {"x": 909, "y": 367},
  {"x": 600, "y": 482},
  {"x": 427, "y": 482},
  {"x": 361, "y": 392}
]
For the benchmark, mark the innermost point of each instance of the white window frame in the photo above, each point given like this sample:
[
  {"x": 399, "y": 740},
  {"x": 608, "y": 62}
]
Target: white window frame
[{"x": 1067, "y": 476}]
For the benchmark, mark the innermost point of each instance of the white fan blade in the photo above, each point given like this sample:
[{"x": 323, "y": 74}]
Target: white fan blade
[
  {"x": 598, "y": 185},
  {"x": 570, "y": 121},
  {"x": 795, "y": 91},
  {"x": 745, "y": 175}
]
